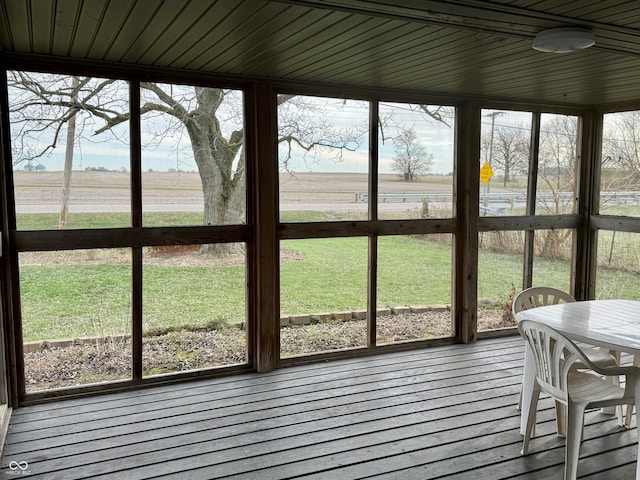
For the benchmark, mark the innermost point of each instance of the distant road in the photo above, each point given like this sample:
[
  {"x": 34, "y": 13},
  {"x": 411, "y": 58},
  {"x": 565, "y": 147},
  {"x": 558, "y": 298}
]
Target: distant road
[
  {"x": 103, "y": 192},
  {"x": 195, "y": 207}
]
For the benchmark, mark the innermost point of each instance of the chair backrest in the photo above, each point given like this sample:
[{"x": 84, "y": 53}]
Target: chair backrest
[
  {"x": 539, "y": 296},
  {"x": 554, "y": 354}
]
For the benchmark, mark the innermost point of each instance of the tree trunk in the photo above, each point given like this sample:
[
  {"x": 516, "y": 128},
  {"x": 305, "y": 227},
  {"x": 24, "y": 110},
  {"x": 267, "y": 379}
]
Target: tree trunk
[
  {"x": 68, "y": 166},
  {"x": 222, "y": 186},
  {"x": 66, "y": 176}
]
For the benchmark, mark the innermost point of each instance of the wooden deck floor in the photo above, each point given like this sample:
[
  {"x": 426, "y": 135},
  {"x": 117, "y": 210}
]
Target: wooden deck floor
[{"x": 446, "y": 412}]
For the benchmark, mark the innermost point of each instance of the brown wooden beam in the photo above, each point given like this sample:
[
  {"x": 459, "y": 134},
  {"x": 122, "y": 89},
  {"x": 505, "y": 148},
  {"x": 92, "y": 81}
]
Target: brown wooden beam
[
  {"x": 467, "y": 178},
  {"x": 262, "y": 157}
]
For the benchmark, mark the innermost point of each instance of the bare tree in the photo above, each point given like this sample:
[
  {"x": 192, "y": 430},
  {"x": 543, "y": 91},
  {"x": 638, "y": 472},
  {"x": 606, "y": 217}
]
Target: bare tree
[
  {"x": 557, "y": 162},
  {"x": 510, "y": 153},
  {"x": 304, "y": 130},
  {"x": 42, "y": 105},
  {"x": 411, "y": 159},
  {"x": 621, "y": 148}
]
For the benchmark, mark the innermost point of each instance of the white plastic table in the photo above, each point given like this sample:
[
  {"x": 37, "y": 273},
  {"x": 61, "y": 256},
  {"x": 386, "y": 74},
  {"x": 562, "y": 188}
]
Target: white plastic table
[{"x": 611, "y": 324}]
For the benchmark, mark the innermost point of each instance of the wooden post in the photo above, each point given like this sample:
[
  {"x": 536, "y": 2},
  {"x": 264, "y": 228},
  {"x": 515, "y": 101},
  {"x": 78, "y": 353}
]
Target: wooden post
[
  {"x": 586, "y": 245},
  {"x": 12, "y": 360},
  {"x": 136, "y": 222},
  {"x": 532, "y": 192},
  {"x": 372, "y": 283},
  {"x": 467, "y": 178},
  {"x": 262, "y": 207}
]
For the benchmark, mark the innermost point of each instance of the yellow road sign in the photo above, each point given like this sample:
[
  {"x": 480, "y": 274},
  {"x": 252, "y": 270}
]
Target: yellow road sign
[{"x": 486, "y": 172}]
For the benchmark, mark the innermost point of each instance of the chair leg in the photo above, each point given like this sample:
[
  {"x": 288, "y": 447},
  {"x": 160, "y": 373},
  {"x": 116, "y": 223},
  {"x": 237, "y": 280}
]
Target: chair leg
[
  {"x": 561, "y": 419},
  {"x": 575, "y": 425},
  {"x": 531, "y": 419},
  {"x": 629, "y": 410},
  {"x": 617, "y": 410},
  {"x": 627, "y": 416}
]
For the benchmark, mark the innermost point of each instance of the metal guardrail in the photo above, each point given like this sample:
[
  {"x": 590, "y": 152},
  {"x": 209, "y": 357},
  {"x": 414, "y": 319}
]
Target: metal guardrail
[
  {"x": 512, "y": 198},
  {"x": 493, "y": 211},
  {"x": 363, "y": 197}
]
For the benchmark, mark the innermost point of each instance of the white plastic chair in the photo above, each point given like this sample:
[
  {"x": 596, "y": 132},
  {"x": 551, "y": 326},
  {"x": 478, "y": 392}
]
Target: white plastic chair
[
  {"x": 555, "y": 357},
  {"x": 629, "y": 412},
  {"x": 539, "y": 296}
]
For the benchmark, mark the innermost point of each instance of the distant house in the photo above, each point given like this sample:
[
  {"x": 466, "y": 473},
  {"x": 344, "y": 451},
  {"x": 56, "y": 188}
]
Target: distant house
[{"x": 35, "y": 168}]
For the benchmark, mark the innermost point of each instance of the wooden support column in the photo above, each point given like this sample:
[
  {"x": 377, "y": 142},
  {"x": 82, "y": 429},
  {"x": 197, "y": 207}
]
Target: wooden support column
[
  {"x": 586, "y": 244},
  {"x": 136, "y": 222},
  {"x": 532, "y": 190},
  {"x": 12, "y": 363},
  {"x": 262, "y": 208},
  {"x": 372, "y": 282},
  {"x": 467, "y": 178}
]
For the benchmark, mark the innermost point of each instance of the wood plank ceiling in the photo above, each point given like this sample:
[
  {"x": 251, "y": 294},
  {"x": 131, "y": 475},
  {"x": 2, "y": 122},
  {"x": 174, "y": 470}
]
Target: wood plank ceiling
[{"x": 469, "y": 47}]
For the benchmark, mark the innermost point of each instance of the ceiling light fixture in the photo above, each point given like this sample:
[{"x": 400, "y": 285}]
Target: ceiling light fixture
[{"x": 563, "y": 39}]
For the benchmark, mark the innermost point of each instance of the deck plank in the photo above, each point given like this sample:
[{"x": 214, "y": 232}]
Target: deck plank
[{"x": 445, "y": 412}]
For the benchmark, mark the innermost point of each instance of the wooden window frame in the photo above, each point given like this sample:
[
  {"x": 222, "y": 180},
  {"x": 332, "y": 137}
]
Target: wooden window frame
[{"x": 263, "y": 231}]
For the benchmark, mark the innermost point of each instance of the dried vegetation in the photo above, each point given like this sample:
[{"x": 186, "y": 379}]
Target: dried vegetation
[{"x": 173, "y": 351}]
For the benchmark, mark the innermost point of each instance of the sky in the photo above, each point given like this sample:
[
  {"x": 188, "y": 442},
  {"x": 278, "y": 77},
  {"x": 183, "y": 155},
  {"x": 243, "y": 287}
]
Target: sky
[
  {"x": 174, "y": 150},
  {"x": 115, "y": 156}
]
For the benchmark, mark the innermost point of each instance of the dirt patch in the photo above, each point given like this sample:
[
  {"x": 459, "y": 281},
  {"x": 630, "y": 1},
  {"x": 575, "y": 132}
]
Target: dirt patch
[
  {"x": 189, "y": 350},
  {"x": 171, "y": 256}
]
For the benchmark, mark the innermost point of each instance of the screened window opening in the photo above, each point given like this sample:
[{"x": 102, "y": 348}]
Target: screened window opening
[
  {"x": 620, "y": 164},
  {"x": 323, "y": 293},
  {"x": 416, "y": 160},
  {"x": 505, "y": 145},
  {"x": 194, "y": 314},
  {"x": 76, "y": 317},
  {"x": 323, "y": 159},
  {"x": 414, "y": 288},
  {"x": 193, "y": 157},
  {"x": 556, "y": 191},
  {"x": 70, "y": 172}
]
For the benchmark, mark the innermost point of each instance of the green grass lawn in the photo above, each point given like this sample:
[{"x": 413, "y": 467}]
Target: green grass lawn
[
  {"x": 76, "y": 299},
  {"x": 79, "y": 300}
]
